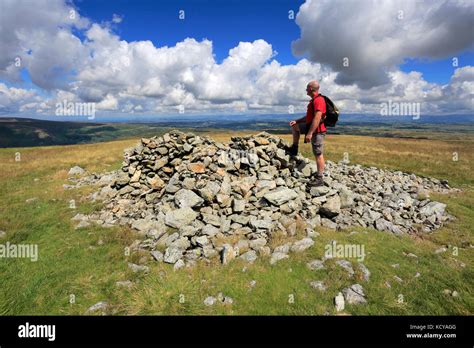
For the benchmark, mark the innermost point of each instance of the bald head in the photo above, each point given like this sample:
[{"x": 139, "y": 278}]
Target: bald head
[
  {"x": 314, "y": 85},
  {"x": 312, "y": 88}
]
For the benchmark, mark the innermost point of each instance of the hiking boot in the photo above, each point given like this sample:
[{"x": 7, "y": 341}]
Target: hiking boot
[
  {"x": 317, "y": 181},
  {"x": 293, "y": 150}
]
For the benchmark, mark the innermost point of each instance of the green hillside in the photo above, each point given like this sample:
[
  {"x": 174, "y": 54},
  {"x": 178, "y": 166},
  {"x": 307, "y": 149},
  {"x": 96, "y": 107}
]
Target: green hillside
[{"x": 86, "y": 263}]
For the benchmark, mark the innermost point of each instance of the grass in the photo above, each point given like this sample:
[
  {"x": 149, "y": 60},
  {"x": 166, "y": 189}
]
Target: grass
[{"x": 87, "y": 262}]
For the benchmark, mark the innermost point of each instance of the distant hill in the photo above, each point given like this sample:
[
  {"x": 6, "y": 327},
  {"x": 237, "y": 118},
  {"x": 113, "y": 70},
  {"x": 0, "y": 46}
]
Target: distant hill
[{"x": 23, "y": 132}]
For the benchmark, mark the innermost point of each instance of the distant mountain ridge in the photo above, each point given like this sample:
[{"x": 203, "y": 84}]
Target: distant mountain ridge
[
  {"x": 21, "y": 132},
  {"x": 247, "y": 118}
]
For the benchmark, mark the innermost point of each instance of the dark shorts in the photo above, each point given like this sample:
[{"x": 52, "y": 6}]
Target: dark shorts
[{"x": 317, "y": 141}]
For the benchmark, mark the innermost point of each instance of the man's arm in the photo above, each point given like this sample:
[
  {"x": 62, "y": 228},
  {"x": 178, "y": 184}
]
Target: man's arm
[
  {"x": 314, "y": 125},
  {"x": 299, "y": 120}
]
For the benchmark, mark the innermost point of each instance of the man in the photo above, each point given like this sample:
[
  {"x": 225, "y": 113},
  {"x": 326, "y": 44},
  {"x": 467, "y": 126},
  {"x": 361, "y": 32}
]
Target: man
[{"x": 312, "y": 125}]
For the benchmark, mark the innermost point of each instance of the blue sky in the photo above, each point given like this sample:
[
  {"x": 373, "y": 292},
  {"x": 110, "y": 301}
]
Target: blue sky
[
  {"x": 438, "y": 70},
  {"x": 226, "y": 23}
]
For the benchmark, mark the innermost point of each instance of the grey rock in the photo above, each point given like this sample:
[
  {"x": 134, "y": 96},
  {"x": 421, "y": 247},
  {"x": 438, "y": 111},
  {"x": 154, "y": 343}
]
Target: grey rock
[
  {"x": 398, "y": 279},
  {"x": 180, "y": 217},
  {"x": 339, "y": 302},
  {"x": 261, "y": 224},
  {"x": 136, "y": 176},
  {"x": 384, "y": 225},
  {"x": 211, "y": 219},
  {"x": 170, "y": 188},
  {"x": 157, "y": 255},
  {"x": 76, "y": 170},
  {"x": 187, "y": 198},
  {"x": 227, "y": 253},
  {"x": 209, "y": 230},
  {"x": 302, "y": 245},
  {"x": 202, "y": 240},
  {"x": 328, "y": 223},
  {"x": 168, "y": 240},
  {"x": 331, "y": 207},
  {"x": 264, "y": 251},
  {"x": 347, "y": 266},
  {"x": 78, "y": 217},
  {"x": 315, "y": 265},
  {"x": 138, "y": 268},
  {"x": 144, "y": 225},
  {"x": 277, "y": 256},
  {"x": 433, "y": 208},
  {"x": 280, "y": 196},
  {"x": 238, "y": 205},
  {"x": 285, "y": 248},
  {"x": 354, "y": 294},
  {"x": 101, "y": 307},
  {"x": 257, "y": 243},
  {"x": 347, "y": 198},
  {"x": 315, "y": 222},
  {"x": 239, "y": 219},
  {"x": 154, "y": 234},
  {"x": 172, "y": 254},
  {"x": 121, "y": 179},
  {"x": 210, "y": 301},
  {"x": 242, "y": 245},
  {"x": 365, "y": 272},
  {"x": 210, "y": 191},
  {"x": 317, "y": 191},
  {"x": 262, "y": 184},
  {"x": 178, "y": 264},
  {"x": 209, "y": 252},
  {"x": 311, "y": 233},
  {"x": 318, "y": 285},
  {"x": 249, "y": 256},
  {"x": 227, "y": 301},
  {"x": 188, "y": 230},
  {"x": 160, "y": 163}
]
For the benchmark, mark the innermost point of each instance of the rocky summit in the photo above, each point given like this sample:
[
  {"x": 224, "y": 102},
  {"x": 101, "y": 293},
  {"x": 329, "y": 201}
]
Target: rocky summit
[{"x": 193, "y": 198}]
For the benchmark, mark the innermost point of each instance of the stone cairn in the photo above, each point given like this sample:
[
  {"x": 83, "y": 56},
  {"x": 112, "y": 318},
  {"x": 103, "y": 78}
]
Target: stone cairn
[{"x": 193, "y": 198}]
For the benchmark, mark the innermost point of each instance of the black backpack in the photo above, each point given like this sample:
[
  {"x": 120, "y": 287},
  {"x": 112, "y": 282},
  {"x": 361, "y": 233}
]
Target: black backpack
[{"x": 332, "y": 112}]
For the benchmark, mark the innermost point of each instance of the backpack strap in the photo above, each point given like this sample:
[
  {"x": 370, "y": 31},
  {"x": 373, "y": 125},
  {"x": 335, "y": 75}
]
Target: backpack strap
[{"x": 320, "y": 95}]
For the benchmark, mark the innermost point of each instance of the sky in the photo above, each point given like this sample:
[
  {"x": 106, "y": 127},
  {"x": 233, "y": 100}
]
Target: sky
[{"x": 148, "y": 57}]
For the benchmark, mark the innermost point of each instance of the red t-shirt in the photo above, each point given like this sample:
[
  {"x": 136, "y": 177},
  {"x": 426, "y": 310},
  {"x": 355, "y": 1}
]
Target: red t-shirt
[{"x": 316, "y": 104}]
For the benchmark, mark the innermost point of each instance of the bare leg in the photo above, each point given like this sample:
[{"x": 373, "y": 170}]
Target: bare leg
[
  {"x": 296, "y": 134},
  {"x": 320, "y": 164}
]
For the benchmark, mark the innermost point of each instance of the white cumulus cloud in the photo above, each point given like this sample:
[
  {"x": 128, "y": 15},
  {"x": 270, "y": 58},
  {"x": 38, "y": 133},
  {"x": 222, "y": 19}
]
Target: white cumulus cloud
[
  {"x": 364, "y": 40},
  {"x": 139, "y": 77}
]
